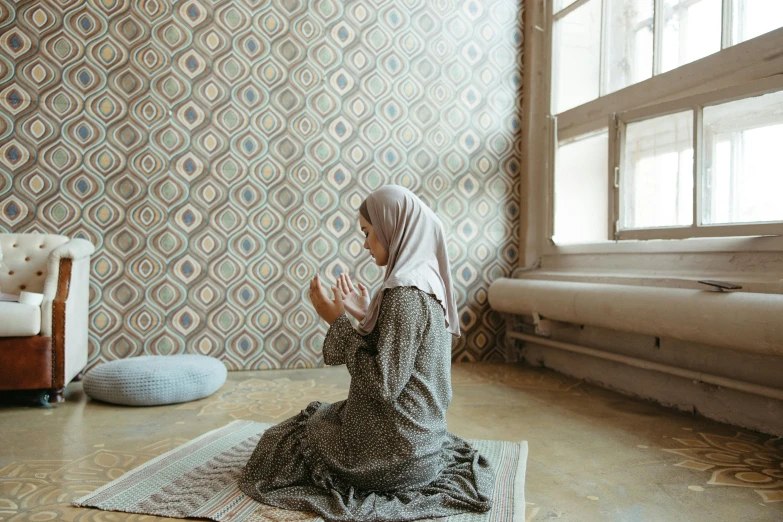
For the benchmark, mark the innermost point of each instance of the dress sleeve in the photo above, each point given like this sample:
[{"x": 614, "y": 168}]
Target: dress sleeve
[
  {"x": 401, "y": 324},
  {"x": 340, "y": 339}
]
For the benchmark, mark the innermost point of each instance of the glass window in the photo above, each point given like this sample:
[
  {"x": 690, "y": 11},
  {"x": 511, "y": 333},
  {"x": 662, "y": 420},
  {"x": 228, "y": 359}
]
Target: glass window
[
  {"x": 600, "y": 47},
  {"x": 691, "y": 30},
  {"x": 581, "y": 190},
  {"x": 743, "y": 161},
  {"x": 629, "y": 47},
  {"x": 752, "y": 18},
  {"x": 562, "y": 4},
  {"x": 657, "y": 172},
  {"x": 577, "y": 57}
]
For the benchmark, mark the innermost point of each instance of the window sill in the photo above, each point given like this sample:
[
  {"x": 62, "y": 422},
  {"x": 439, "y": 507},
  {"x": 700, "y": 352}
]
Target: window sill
[
  {"x": 672, "y": 246},
  {"x": 755, "y": 263}
]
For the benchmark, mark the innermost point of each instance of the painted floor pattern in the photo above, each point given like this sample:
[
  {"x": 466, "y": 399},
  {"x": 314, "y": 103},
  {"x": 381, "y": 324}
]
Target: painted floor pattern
[{"x": 595, "y": 455}]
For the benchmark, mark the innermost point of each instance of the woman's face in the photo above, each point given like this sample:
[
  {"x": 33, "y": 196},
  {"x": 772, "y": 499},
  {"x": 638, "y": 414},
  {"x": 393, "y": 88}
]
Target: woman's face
[{"x": 371, "y": 243}]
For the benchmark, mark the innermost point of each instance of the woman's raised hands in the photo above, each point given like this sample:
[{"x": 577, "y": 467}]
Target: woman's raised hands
[
  {"x": 355, "y": 300},
  {"x": 328, "y": 309}
]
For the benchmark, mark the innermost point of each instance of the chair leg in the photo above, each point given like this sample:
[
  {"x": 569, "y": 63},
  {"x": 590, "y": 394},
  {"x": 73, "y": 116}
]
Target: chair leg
[
  {"x": 42, "y": 398},
  {"x": 56, "y": 394}
]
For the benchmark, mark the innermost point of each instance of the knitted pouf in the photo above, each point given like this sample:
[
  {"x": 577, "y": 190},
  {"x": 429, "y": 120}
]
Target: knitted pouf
[{"x": 152, "y": 380}]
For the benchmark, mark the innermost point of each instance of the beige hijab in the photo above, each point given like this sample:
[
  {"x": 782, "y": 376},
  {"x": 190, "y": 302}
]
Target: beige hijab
[{"x": 414, "y": 238}]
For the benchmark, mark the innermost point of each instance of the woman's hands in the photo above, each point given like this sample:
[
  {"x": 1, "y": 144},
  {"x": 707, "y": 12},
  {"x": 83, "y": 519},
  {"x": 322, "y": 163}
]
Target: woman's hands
[
  {"x": 355, "y": 300},
  {"x": 328, "y": 309},
  {"x": 347, "y": 298}
]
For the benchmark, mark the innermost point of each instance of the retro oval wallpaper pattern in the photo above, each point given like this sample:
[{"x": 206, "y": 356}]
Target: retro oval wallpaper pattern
[{"x": 216, "y": 153}]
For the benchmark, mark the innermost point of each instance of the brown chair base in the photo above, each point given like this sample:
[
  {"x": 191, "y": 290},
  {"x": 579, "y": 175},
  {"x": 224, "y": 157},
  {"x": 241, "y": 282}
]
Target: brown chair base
[
  {"x": 27, "y": 363},
  {"x": 45, "y": 397}
]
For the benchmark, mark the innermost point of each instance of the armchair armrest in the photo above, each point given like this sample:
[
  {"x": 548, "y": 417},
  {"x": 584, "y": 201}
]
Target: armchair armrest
[
  {"x": 65, "y": 308},
  {"x": 75, "y": 249}
]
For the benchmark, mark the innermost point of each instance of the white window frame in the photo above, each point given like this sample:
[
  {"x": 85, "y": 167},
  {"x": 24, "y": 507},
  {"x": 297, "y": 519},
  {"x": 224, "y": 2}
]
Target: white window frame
[
  {"x": 603, "y": 75},
  {"x": 695, "y": 104},
  {"x": 694, "y": 83}
]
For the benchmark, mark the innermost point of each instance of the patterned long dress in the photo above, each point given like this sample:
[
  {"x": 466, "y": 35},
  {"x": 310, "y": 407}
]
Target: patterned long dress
[{"x": 384, "y": 454}]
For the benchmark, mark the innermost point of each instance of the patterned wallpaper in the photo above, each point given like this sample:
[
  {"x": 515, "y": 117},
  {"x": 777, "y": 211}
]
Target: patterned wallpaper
[{"x": 216, "y": 152}]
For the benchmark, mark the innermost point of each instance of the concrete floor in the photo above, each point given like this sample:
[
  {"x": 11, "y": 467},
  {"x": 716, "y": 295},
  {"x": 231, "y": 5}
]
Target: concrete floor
[{"x": 595, "y": 455}]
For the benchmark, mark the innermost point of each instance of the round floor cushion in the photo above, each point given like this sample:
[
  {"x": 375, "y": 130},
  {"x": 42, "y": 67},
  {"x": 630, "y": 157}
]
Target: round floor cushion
[{"x": 152, "y": 380}]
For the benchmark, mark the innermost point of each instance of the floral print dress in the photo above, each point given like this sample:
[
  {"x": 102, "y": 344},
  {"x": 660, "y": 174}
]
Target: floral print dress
[{"x": 383, "y": 454}]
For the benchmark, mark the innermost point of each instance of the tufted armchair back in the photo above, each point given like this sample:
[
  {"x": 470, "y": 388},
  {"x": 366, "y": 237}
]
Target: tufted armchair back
[{"x": 24, "y": 261}]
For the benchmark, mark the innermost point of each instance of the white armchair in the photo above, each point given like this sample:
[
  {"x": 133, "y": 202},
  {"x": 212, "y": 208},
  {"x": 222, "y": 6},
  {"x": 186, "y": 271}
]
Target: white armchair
[{"x": 44, "y": 347}]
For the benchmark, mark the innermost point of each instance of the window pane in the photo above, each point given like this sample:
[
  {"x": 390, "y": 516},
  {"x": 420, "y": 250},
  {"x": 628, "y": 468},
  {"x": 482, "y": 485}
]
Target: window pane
[
  {"x": 630, "y": 42},
  {"x": 576, "y": 55},
  {"x": 751, "y": 18},
  {"x": 743, "y": 160},
  {"x": 691, "y": 30},
  {"x": 656, "y": 182},
  {"x": 581, "y": 190},
  {"x": 562, "y": 4}
]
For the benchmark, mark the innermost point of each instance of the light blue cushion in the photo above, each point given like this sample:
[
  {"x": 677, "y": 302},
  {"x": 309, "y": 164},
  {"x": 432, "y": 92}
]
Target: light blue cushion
[{"x": 152, "y": 380}]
